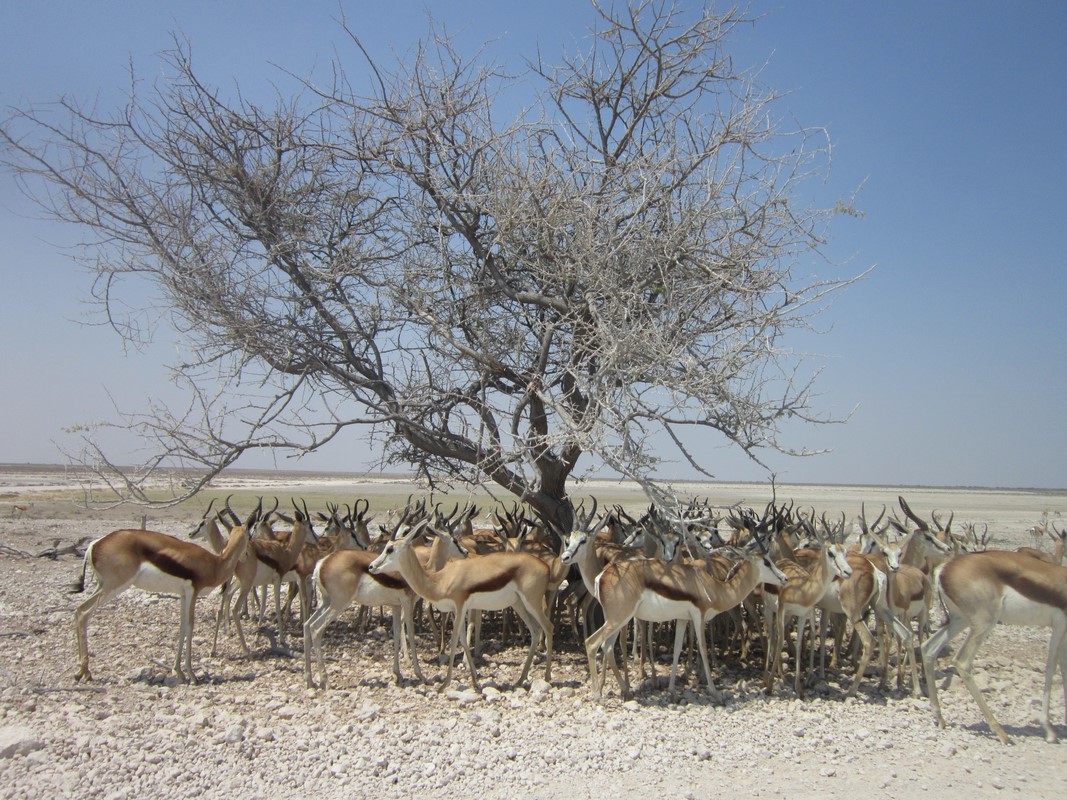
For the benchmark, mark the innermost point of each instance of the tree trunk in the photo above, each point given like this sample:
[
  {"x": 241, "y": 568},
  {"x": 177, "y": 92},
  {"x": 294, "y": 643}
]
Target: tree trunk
[{"x": 552, "y": 503}]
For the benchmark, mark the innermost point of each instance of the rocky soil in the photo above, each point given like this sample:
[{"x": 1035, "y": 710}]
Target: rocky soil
[{"x": 250, "y": 729}]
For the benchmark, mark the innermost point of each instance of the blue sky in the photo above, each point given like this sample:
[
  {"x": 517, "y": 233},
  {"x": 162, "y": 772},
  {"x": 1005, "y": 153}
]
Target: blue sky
[{"x": 951, "y": 115}]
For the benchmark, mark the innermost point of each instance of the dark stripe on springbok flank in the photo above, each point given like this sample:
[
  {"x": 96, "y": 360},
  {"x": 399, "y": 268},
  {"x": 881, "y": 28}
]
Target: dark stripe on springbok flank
[
  {"x": 170, "y": 565},
  {"x": 269, "y": 561},
  {"x": 388, "y": 581},
  {"x": 672, "y": 592},
  {"x": 496, "y": 582},
  {"x": 1038, "y": 591}
]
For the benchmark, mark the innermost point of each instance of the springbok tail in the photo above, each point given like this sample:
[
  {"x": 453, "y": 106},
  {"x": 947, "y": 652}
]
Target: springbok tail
[
  {"x": 322, "y": 597},
  {"x": 885, "y": 614},
  {"x": 79, "y": 585}
]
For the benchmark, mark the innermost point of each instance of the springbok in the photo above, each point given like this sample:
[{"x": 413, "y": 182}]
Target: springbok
[
  {"x": 656, "y": 590},
  {"x": 981, "y": 589},
  {"x": 1060, "y": 538},
  {"x": 491, "y": 582},
  {"x": 342, "y": 578},
  {"x": 275, "y": 562},
  {"x": 158, "y": 563},
  {"x": 799, "y": 597}
]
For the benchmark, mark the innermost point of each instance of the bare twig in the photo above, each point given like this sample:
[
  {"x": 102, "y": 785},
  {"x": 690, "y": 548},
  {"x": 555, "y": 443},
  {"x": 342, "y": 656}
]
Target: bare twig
[{"x": 496, "y": 299}]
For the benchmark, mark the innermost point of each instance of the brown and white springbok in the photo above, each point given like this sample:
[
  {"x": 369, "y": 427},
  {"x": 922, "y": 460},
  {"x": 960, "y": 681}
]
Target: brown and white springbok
[
  {"x": 980, "y": 590},
  {"x": 342, "y": 578},
  {"x": 491, "y": 582},
  {"x": 159, "y": 563},
  {"x": 655, "y": 590}
]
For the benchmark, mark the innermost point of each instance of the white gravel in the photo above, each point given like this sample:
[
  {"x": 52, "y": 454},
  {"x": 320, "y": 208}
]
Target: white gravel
[{"x": 252, "y": 730}]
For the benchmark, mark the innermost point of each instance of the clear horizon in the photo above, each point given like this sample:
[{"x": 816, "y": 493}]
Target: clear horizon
[{"x": 674, "y": 480}]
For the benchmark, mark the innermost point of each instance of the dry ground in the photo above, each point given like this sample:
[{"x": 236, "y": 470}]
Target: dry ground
[{"x": 251, "y": 729}]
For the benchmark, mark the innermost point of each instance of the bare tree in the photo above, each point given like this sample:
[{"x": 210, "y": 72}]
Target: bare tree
[{"x": 494, "y": 300}]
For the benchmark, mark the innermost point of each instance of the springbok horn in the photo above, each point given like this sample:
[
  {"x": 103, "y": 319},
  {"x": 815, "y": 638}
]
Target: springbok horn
[{"x": 911, "y": 514}]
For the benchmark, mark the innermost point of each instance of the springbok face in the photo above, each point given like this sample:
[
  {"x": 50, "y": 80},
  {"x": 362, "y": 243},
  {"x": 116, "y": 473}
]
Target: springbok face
[
  {"x": 867, "y": 544},
  {"x": 204, "y": 529},
  {"x": 263, "y": 529},
  {"x": 671, "y": 541},
  {"x": 893, "y": 552},
  {"x": 935, "y": 542},
  {"x": 453, "y": 547},
  {"x": 574, "y": 545},
  {"x": 389, "y": 560},
  {"x": 340, "y": 529},
  {"x": 769, "y": 572},
  {"x": 838, "y": 563},
  {"x": 706, "y": 540},
  {"x": 205, "y": 526}
]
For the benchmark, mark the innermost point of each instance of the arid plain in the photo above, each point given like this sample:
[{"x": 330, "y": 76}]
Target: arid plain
[{"x": 251, "y": 729}]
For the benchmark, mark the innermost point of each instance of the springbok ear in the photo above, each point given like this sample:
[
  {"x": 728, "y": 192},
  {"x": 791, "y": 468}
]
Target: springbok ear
[
  {"x": 733, "y": 570},
  {"x": 412, "y": 532}
]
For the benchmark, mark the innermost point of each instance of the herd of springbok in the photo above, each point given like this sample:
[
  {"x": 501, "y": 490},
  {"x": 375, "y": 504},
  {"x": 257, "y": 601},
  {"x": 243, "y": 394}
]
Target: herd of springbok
[{"x": 738, "y": 580}]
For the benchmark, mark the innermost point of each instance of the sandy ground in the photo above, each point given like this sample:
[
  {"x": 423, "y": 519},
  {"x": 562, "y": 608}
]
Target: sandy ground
[{"x": 251, "y": 729}]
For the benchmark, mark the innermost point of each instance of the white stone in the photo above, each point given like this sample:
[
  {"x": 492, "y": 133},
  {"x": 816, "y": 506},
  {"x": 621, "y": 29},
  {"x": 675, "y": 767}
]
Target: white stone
[
  {"x": 540, "y": 686},
  {"x": 233, "y": 734},
  {"x": 464, "y": 697},
  {"x": 18, "y": 741}
]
